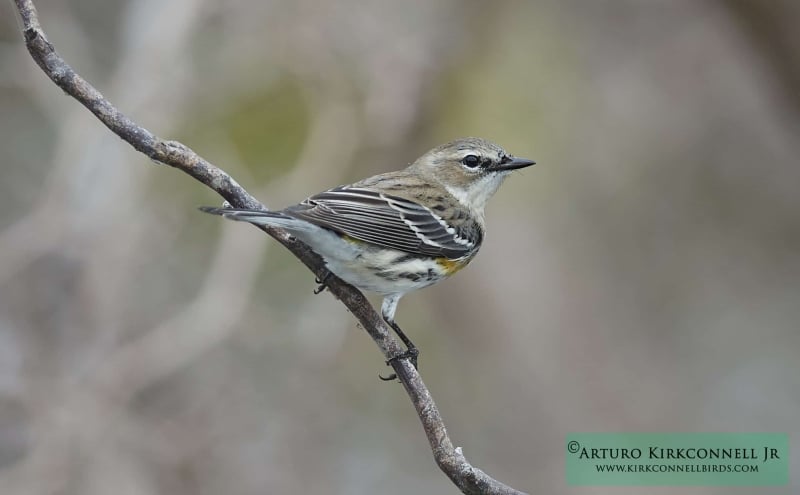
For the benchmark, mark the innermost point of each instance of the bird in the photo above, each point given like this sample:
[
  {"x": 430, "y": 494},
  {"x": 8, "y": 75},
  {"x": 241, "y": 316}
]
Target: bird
[{"x": 399, "y": 231}]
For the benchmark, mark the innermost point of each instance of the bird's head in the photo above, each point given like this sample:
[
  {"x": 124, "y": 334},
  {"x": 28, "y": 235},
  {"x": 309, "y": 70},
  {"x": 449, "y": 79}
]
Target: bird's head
[{"x": 471, "y": 169}]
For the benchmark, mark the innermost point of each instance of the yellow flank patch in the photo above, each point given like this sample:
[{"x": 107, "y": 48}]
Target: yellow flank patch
[
  {"x": 351, "y": 240},
  {"x": 451, "y": 266}
]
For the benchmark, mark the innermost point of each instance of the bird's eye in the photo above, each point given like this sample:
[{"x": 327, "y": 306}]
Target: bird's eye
[{"x": 471, "y": 161}]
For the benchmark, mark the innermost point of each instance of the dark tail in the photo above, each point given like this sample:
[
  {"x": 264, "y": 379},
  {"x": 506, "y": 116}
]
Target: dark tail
[{"x": 241, "y": 214}]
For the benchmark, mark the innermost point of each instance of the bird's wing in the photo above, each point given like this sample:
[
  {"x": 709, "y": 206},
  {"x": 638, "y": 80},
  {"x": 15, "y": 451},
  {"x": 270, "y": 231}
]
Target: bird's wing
[{"x": 389, "y": 221}]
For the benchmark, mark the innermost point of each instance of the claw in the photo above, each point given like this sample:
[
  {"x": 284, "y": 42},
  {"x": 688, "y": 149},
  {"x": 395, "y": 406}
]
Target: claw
[
  {"x": 322, "y": 285},
  {"x": 411, "y": 354}
]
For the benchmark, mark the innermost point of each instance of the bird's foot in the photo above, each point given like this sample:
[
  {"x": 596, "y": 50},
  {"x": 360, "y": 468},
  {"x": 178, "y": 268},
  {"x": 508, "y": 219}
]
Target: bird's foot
[
  {"x": 322, "y": 285},
  {"x": 412, "y": 353}
]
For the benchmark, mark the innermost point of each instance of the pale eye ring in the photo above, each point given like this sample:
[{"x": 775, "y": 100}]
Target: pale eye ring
[{"x": 471, "y": 161}]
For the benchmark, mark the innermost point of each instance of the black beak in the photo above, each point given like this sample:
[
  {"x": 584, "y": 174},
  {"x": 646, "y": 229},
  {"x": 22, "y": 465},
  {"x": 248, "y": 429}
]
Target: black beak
[{"x": 512, "y": 163}]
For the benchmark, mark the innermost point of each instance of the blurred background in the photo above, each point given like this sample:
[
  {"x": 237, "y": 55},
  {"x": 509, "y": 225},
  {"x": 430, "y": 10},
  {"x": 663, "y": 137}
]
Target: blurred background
[{"x": 643, "y": 276}]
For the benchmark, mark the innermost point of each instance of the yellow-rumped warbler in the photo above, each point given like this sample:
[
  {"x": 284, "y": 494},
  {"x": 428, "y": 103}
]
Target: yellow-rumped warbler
[{"x": 400, "y": 231}]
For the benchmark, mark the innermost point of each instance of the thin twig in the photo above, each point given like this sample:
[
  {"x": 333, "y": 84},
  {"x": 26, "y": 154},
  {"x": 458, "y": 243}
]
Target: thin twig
[{"x": 469, "y": 479}]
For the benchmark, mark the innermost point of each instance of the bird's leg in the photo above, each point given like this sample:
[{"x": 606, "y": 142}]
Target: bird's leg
[
  {"x": 321, "y": 281},
  {"x": 411, "y": 353},
  {"x": 411, "y": 350}
]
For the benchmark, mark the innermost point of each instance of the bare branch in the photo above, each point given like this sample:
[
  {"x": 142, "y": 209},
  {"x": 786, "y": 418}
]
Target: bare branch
[{"x": 469, "y": 479}]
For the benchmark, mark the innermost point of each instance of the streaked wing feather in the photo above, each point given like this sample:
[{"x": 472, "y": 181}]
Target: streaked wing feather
[{"x": 385, "y": 220}]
